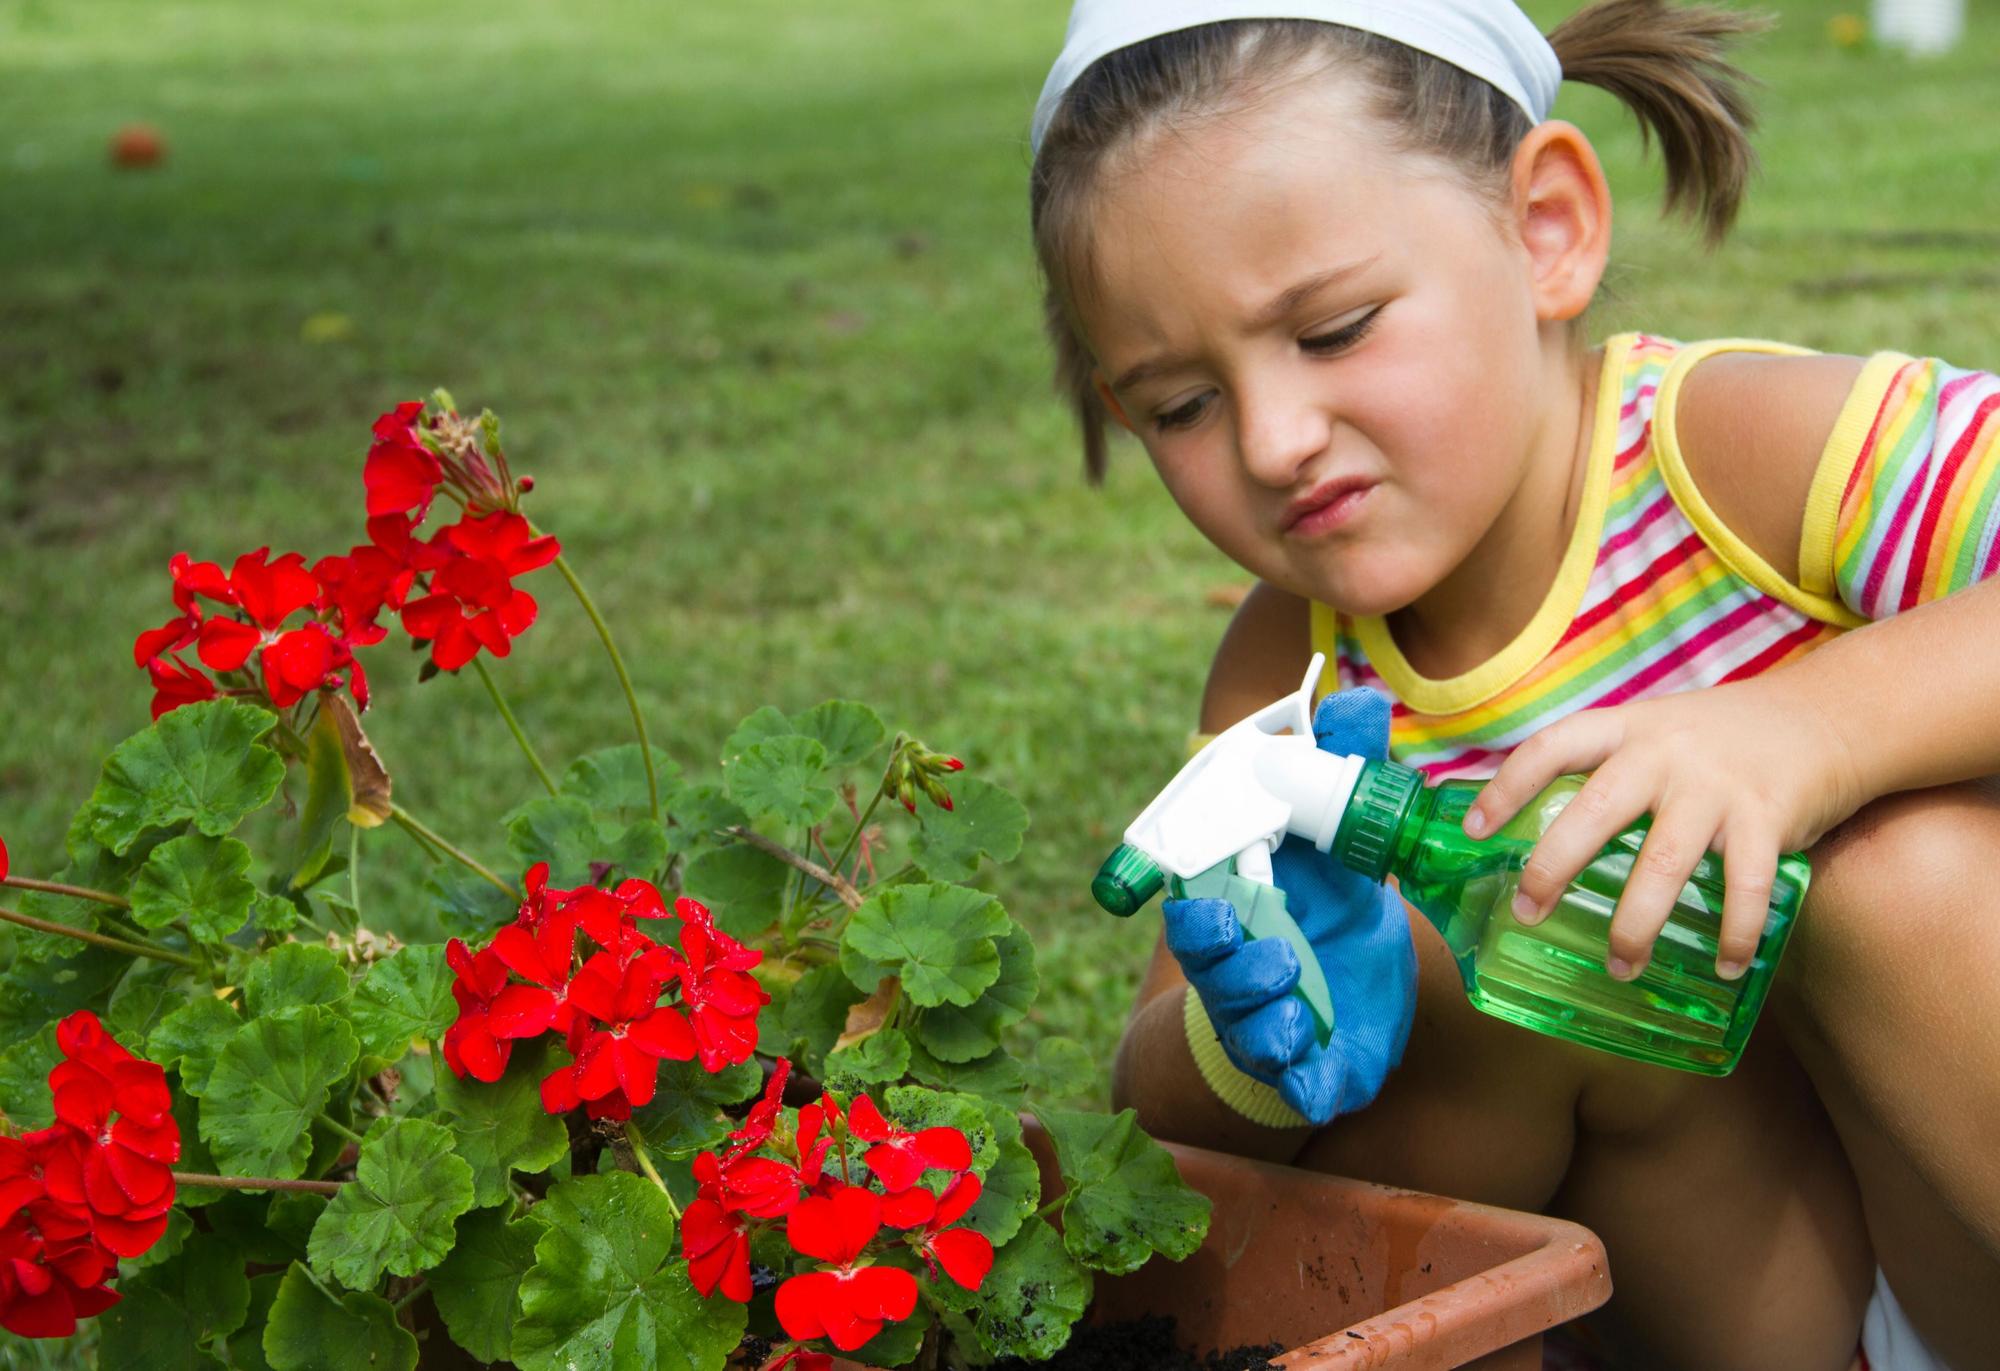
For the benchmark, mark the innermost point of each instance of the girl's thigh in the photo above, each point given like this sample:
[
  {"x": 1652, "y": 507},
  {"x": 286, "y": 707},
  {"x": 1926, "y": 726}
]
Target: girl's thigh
[
  {"x": 1890, "y": 997},
  {"x": 1726, "y": 1206}
]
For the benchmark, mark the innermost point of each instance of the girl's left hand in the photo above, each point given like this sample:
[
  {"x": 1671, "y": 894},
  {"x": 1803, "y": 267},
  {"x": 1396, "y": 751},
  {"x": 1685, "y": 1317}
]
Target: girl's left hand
[{"x": 1749, "y": 769}]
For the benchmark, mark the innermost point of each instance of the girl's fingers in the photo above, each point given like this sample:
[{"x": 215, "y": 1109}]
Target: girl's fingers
[
  {"x": 1593, "y": 817},
  {"x": 1673, "y": 847},
  {"x": 1749, "y": 869},
  {"x": 1580, "y": 742}
]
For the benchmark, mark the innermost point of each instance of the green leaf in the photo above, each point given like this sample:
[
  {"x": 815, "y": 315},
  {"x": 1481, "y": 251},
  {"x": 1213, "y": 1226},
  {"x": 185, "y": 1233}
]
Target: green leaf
[
  {"x": 195, "y": 1155},
  {"x": 403, "y": 997},
  {"x": 1125, "y": 1201},
  {"x": 955, "y": 1033},
  {"x": 397, "y": 1213},
  {"x": 938, "y": 938},
  {"x": 898, "y": 1343},
  {"x": 274, "y": 914},
  {"x": 502, "y": 1127},
  {"x": 246, "y": 1344},
  {"x": 24, "y": 1080},
  {"x": 741, "y": 885},
  {"x": 804, "y": 1023},
  {"x": 1031, "y": 1298},
  {"x": 1063, "y": 1067},
  {"x": 613, "y": 781},
  {"x": 686, "y": 1113},
  {"x": 766, "y": 723},
  {"x": 169, "y": 1311},
  {"x": 271, "y": 1079},
  {"x": 847, "y": 730},
  {"x": 883, "y": 1055},
  {"x": 1011, "y": 1187},
  {"x": 244, "y": 1219},
  {"x": 179, "y": 1226},
  {"x": 468, "y": 906},
  {"x": 91, "y": 866},
  {"x": 783, "y": 780},
  {"x": 293, "y": 974},
  {"x": 997, "y": 1075},
  {"x": 309, "y": 1330},
  {"x": 197, "y": 878},
  {"x": 607, "y": 1292},
  {"x": 190, "y": 1039},
  {"x": 202, "y": 762},
  {"x": 563, "y": 831},
  {"x": 146, "y": 994},
  {"x": 700, "y": 812},
  {"x": 477, "y": 1290},
  {"x": 329, "y": 792},
  {"x": 982, "y": 818},
  {"x": 34, "y": 994}
]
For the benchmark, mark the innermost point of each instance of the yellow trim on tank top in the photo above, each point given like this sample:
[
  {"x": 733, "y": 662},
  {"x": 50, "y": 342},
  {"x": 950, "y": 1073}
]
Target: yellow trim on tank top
[
  {"x": 1736, "y": 554},
  {"x": 1821, "y": 529},
  {"x": 1558, "y": 610}
]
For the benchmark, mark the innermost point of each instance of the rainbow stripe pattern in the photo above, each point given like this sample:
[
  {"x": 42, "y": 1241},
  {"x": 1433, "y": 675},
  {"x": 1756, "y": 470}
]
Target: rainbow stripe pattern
[{"x": 1655, "y": 595}]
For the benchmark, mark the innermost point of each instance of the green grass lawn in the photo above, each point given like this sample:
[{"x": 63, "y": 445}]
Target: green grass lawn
[{"x": 750, "y": 285}]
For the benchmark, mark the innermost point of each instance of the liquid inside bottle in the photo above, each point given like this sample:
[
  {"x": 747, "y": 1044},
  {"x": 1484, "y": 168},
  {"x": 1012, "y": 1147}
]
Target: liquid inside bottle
[{"x": 1551, "y": 977}]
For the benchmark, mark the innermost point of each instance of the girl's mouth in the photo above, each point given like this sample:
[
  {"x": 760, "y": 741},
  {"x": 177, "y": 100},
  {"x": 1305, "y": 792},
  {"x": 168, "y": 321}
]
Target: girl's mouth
[{"x": 1327, "y": 508}]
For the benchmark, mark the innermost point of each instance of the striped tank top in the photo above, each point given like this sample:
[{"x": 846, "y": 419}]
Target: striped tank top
[{"x": 1655, "y": 594}]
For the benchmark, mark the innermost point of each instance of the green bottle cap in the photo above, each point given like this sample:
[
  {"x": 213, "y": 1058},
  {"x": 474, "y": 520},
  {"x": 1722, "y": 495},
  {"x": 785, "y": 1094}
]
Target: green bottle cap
[
  {"x": 1366, "y": 838},
  {"x": 1126, "y": 881}
]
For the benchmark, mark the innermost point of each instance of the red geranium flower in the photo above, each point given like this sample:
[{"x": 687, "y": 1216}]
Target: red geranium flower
[
  {"x": 716, "y": 1243},
  {"x": 119, "y": 1171},
  {"x": 470, "y": 1043},
  {"x": 760, "y": 1187},
  {"x": 51, "y": 1271},
  {"x": 175, "y": 683},
  {"x": 966, "y": 1256},
  {"x": 635, "y": 1031},
  {"x": 802, "y": 1360},
  {"x": 269, "y": 592},
  {"x": 722, "y": 997},
  {"x": 849, "y": 1304},
  {"x": 400, "y": 474},
  {"x": 544, "y": 957},
  {"x": 900, "y": 1158},
  {"x": 763, "y": 1115}
]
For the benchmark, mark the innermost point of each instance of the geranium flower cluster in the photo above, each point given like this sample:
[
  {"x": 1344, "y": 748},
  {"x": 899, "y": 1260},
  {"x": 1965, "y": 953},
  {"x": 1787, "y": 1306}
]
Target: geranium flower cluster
[
  {"x": 91, "y": 1188},
  {"x": 765, "y": 1176},
  {"x": 915, "y": 768},
  {"x": 619, "y": 1009},
  {"x": 454, "y": 589}
]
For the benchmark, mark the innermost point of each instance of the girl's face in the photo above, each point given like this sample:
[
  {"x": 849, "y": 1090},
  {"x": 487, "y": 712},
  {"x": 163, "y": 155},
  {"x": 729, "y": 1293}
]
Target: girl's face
[{"x": 1333, "y": 360}]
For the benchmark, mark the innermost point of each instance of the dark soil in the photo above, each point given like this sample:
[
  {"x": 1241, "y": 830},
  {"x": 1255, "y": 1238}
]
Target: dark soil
[{"x": 1141, "y": 1345}]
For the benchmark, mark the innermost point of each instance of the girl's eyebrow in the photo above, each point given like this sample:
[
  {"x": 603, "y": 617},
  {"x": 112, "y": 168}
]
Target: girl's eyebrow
[{"x": 1282, "y": 304}]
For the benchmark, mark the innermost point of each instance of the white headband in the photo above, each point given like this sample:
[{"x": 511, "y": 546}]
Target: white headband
[{"x": 1492, "y": 39}]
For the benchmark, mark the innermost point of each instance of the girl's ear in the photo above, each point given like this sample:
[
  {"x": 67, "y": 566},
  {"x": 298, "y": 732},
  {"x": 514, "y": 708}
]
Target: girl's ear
[
  {"x": 1110, "y": 401},
  {"x": 1562, "y": 214}
]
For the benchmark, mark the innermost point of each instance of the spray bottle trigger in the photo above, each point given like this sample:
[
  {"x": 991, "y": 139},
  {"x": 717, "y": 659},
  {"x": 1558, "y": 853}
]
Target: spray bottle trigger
[{"x": 1262, "y": 912}]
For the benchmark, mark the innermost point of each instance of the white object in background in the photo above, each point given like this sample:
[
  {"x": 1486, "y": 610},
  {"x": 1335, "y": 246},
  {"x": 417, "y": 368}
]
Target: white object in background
[{"x": 1924, "y": 27}]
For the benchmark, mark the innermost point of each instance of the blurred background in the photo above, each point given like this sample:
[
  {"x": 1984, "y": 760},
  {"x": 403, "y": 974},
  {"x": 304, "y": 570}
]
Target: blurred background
[{"x": 750, "y": 286}]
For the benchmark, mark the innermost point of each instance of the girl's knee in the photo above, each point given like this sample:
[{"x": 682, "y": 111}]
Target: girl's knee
[{"x": 1905, "y": 869}]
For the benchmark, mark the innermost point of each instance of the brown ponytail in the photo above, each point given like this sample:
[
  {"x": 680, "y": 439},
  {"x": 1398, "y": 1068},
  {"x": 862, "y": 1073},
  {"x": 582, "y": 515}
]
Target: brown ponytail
[{"x": 1665, "y": 61}]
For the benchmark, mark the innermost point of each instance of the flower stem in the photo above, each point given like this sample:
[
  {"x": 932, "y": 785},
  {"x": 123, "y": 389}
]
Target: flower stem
[
  {"x": 84, "y": 935},
  {"x": 638, "y": 1141},
  {"x": 75, "y": 891},
  {"x": 422, "y": 834},
  {"x": 832, "y": 880},
  {"x": 513, "y": 724},
  {"x": 338, "y": 1128},
  {"x": 868, "y": 813},
  {"x": 354, "y": 869},
  {"x": 255, "y": 1183},
  {"x": 411, "y": 1294},
  {"x": 618, "y": 663}
]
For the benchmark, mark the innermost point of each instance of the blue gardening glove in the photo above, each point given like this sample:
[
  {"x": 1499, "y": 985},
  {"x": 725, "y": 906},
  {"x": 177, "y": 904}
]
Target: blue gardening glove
[{"x": 1357, "y": 929}]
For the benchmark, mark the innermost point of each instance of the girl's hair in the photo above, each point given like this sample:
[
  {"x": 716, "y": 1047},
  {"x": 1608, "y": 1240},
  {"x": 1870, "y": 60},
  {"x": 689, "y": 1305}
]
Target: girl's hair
[{"x": 1666, "y": 62}]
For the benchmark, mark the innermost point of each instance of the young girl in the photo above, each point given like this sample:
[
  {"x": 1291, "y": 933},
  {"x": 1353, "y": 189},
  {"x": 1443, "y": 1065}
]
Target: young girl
[{"x": 1329, "y": 267}]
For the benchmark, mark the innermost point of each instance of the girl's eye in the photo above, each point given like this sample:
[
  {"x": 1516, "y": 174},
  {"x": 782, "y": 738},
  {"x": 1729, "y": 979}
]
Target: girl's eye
[
  {"x": 1180, "y": 416},
  {"x": 1342, "y": 338}
]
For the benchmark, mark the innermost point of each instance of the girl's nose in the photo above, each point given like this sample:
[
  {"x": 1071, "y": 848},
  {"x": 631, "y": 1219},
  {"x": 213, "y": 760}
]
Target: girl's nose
[{"x": 1279, "y": 434}]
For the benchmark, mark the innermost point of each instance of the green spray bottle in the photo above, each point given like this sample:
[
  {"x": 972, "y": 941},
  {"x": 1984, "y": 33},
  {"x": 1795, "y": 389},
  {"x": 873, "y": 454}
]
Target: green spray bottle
[{"x": 1210, "y": 833}]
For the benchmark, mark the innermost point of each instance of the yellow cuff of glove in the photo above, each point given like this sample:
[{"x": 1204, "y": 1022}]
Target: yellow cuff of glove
[{"x": 1247, "y": 1095}]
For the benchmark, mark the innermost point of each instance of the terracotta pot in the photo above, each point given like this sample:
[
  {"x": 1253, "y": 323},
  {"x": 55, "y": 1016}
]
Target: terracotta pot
[{"x": 1351, "y": 1275}]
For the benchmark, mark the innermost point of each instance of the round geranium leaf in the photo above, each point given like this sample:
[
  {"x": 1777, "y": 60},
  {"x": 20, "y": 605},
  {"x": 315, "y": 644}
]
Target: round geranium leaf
[
  {"x": 1124, "y": 1199},
  {"x": 309, "y": 1330},
  {"x": 397, "y": 1213},
  {"x": 169, "y": 1312},
  {"x": 742, "y": 886},
  {"x": 501, "y": 1126},
  {"x": 613, "y": 780},
  {"x": 847, "y": 730},
  {"x": 784, "y": 780},
  {"x": 270, "y": 1080},
  {"x": 201, "y": 763},
  {"x": 881, "y": 1057},
  {"x": 961, "y": 1033},
  {"x": 196, "y": 878},
  {"x": 402, "y": 998},
  {"x": 982, "y": 818},
  {"x": 191, "y": 1038},
  {"x": 293, "y": 974},
  {"x": 607, "y": 1292},
  {"x": 938, "y": 938},
  {"x": 1031, "y": 1298},
  {"x": 477, "y": 1289}
]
